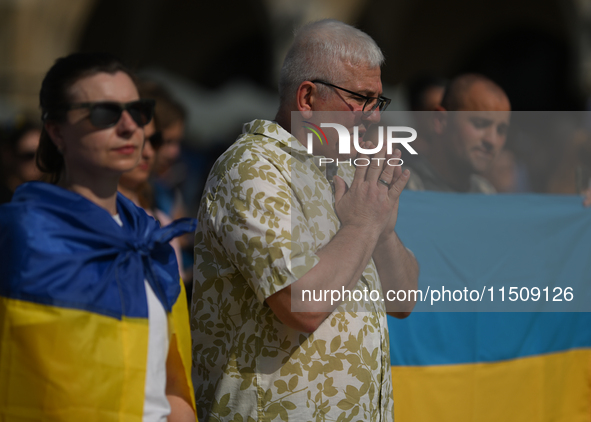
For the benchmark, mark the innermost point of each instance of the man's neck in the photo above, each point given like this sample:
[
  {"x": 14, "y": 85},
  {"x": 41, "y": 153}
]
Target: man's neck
[{"x": 283, "y": 119}]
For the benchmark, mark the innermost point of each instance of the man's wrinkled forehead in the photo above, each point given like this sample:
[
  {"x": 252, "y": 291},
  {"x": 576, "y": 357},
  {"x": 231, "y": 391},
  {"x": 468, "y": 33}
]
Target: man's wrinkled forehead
[{"x": 361, "y": 77}]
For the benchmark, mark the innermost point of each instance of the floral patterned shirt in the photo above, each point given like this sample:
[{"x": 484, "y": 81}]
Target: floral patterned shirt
[{"x": 266, "y": 209}]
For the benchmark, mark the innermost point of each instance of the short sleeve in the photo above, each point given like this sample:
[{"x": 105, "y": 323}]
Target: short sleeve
[{"x": 261, "y": 226}]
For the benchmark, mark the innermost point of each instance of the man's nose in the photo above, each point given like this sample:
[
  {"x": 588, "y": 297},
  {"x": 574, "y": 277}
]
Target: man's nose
[{"x": 374, "y": 117}]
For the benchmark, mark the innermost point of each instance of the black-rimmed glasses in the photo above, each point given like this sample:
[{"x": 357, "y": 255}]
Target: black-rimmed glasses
[
  {"x": 104, "y": 114},
  {"x": 371, "y": 103}
]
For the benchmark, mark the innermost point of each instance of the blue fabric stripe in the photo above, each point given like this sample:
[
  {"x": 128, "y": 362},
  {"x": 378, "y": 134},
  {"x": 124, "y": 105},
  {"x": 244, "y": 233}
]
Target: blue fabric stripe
[
  {"x": 60, "y": 249},
  {"x": 437, "y": 338},
  {"x": 515, "y": 238}
]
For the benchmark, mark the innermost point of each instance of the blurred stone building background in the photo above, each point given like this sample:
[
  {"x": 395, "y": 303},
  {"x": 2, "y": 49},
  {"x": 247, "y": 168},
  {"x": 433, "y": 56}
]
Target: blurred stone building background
[
  {"x": 221, "y": 58},
  {"x": 525, "y": 44}
]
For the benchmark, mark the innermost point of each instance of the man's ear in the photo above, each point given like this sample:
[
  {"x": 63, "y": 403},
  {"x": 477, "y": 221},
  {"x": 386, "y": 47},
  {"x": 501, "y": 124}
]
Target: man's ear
[
  {"x": 55, "y": 134},
  {"x": 306, "y": 96},
  {"x": 439, "y": 120}
]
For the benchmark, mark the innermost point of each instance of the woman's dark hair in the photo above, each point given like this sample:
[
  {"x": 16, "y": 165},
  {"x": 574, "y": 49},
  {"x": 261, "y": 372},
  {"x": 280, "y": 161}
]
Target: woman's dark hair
[{"x": 54, "y": 97}]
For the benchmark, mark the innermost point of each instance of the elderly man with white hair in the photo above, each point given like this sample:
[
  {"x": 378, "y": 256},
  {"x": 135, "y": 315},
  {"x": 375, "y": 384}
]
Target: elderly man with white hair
[{"x": 271, "y": 229}]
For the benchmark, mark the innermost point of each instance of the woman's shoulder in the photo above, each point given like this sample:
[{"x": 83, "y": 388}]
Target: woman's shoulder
[
  {"x": 38, "y": 205},
  {"x": 45, "y": 197},
  {"x": 14, "y": 214}
]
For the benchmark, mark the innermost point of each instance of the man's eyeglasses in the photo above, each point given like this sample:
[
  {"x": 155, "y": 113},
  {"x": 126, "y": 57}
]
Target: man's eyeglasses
[
  {"x": 106, "y": 114},
  {"x": 371, "y": 103}
]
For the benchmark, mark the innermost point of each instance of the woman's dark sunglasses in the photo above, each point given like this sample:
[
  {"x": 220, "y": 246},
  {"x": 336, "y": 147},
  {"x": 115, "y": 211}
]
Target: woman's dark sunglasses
[{"x": 104, "y": 114}]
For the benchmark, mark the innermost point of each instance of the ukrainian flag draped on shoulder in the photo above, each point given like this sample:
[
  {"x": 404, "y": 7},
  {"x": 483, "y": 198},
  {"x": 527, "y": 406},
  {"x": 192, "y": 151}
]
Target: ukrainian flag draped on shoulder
[
  {"x": 495, "y": 366},
  {"x": 73, "y": 307}
]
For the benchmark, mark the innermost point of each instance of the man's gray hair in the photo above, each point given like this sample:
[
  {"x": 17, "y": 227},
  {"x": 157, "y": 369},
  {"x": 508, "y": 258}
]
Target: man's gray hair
[{"x": 318, "y": 51}]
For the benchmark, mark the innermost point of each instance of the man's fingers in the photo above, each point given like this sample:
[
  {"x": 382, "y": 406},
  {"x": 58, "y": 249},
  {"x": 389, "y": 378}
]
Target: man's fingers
[
  {"x": 376, "y": 164},
  {"x": 397, "y": 170},
  {"x": 340, "y": 187},
  {"x": 398, "y": 185},
  {"x": 390, "y": 172},
  {"x": 361, "y": 170}
]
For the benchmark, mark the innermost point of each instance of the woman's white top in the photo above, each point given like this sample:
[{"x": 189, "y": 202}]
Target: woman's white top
[{"x": 156, "y": 406}]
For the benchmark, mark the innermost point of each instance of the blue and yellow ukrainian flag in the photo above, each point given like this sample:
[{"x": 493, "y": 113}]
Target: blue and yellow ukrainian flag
[
  {"x": 494, "y": 366},
  {"x": 73, "y": 307}
]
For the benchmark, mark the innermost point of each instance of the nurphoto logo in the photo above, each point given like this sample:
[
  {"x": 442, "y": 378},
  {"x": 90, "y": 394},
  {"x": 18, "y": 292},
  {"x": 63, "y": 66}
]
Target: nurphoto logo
[{"x": 345, "y": 142}]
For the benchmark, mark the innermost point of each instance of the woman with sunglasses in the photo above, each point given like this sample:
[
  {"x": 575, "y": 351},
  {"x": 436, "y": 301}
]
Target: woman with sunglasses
[{"x": 93, "y": 317}]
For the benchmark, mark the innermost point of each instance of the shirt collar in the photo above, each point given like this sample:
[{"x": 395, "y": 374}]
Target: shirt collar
[{"x": 274, "y": 131}]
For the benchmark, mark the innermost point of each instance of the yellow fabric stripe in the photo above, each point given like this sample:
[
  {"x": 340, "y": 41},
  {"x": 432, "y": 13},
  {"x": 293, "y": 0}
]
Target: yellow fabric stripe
[
  {"x": 554, "y": 387},
  {"x": 181, "y": 342},
  {"x": 59, "y": 364}
]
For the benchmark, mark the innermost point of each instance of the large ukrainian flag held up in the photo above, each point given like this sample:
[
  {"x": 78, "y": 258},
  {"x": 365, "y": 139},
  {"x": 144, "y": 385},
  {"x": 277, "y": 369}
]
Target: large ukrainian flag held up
[{"x": 481, "y": 367}]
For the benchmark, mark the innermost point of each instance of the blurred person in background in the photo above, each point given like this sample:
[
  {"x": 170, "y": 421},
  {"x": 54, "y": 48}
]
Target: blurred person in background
[
  {"x": 469, "y": 131},
  {"x": 135, "y": 186},
  {"x": 504, "y": 172},
  {"x": 168, "y": 174},
  {"x": 572, "y": 171},
  {"x": 424, "y": 95},
  {"x": 18, "y": 147},
  {"x": 93, "y": 321}
]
